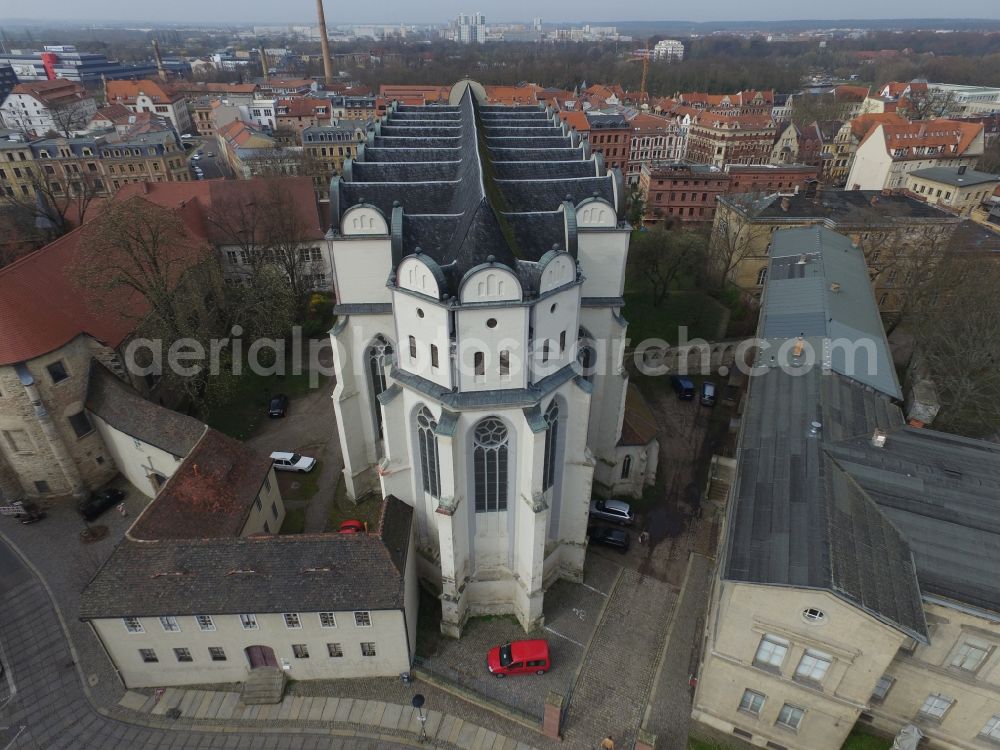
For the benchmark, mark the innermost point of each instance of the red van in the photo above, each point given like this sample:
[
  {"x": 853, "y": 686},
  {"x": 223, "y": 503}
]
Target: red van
[{"x": 519, "y": 657}]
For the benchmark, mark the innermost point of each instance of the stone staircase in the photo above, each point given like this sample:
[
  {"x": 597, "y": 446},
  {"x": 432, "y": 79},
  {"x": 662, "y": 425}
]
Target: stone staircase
[{"x": 264, "y": 685}]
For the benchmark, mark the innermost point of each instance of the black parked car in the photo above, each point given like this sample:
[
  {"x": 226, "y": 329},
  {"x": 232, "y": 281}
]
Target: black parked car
[
  {"x": 279, "y": 405},
  {"x": 98, "y": 502},
  {"x": 609, "y": 537}
]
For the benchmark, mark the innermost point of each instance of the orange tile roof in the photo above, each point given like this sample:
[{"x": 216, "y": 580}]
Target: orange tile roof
[
  {"x": 526, "y": 94},
  {"x": 51, "y": 92},
  {"x": 128, "y": 91},
  {"x": 862, "y": 125},
  {"x": 576, "y": 119},
  {"x": 847, "y": 93},
  {"x": 430, "y": 92},
  {"x": 213, "y": 196},
  {"x": 742, "y": 122},
  {"x": 953, "y": 136},
  {"x": 210, "y": 495},
  {"x": 304, "y": 106},
  {"x": 647, "y": 123},
  {"x": 42, "y": 308}
]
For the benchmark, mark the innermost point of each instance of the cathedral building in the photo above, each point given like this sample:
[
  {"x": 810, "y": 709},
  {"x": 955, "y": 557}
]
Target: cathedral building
[{"x": 479, "y": 255}]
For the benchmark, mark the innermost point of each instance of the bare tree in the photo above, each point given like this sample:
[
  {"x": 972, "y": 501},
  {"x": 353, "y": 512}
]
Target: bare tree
[
  {"x": 139, "y": 261},
  {"x": 658, "y": 257},
  {"x": 735, "y": 237},
  {"x": 56, "y": 196},
  {"x": 903, "y": 262},
  {"x": 927, "y": 104},
  {"x": 269, "y": 234},
  {"x": 70, "y": 116},
  {"x": 957, "y": 344}
]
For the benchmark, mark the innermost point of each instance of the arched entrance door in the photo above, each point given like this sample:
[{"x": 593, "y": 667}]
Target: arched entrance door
[{"x": 260, "y": 656}]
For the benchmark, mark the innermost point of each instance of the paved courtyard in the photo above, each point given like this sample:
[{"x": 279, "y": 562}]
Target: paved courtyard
[{"x": 571, "y": 614}]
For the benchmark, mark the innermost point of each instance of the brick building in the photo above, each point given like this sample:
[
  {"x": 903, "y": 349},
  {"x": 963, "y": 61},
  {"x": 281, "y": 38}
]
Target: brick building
[
  {"x": 654, "y": 139},
  {"x": 719, "y": 139},
  {"x": 610, "y": 135},
  {"x": 770, "y": 178},
  {"x": 678, "y": 191}
]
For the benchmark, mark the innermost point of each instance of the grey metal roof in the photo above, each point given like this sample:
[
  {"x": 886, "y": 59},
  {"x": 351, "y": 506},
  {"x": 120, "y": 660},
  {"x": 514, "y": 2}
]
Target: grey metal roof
[
  {"x": 797, "y": 518},
  {"x": 952, "y": 176},
  {"x": 292, "y": 573},
  {"x": 124, "y": 409},
  {"x": 475, "y": 184},
  {"x": 943, "y": 493},
  {"x": 818, "y": 286}
]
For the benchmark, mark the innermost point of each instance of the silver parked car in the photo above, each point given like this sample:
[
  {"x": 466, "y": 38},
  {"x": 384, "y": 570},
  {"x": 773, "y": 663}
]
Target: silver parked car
[{"x": 616, "y": 511}]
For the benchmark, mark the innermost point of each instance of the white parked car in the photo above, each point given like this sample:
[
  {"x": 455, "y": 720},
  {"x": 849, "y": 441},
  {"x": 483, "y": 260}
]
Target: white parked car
[
  {"x": 292, "y": 462},
  {"x": 616, "y": 511},
  {"x": 196, "y": 157}
]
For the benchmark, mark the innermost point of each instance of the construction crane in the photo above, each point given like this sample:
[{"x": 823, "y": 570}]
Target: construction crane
[{"x": 645, "y": 71}]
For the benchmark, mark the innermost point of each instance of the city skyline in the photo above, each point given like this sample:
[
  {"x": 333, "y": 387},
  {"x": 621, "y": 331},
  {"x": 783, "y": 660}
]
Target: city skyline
[{"x": 557, "y": 11}]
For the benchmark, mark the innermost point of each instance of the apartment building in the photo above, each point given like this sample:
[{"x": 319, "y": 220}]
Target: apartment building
[{"x": 152, "y": 96}]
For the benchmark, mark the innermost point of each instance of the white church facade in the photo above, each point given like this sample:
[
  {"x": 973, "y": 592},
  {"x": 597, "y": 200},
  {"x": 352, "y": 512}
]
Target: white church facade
[{"x": 479, "y": 258}]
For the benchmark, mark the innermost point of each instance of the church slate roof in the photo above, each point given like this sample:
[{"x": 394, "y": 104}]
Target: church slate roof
[{"x": 475, "y": 183}]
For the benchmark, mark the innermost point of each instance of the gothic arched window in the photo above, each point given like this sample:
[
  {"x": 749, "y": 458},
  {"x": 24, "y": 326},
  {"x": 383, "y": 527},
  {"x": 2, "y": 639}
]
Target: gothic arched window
[
  {"x": 626, "y": 466},
  {"x": 430, "y": 467},
  {"x": 378, "y": 354},
  {"x": 551, "y": 443},
  {"x": 490, "y": 448}
]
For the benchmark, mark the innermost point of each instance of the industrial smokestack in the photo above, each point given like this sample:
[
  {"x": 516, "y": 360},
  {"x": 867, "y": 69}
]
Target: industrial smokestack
[
  {"x": 325, "y": 45},
  {"x": 159, "y": 61},
  {"x": 263, "y": 64}
]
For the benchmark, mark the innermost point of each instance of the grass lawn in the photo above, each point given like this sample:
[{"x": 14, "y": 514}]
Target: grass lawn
[
  {"x": 861, "y": 740},
  {"x": 696, "y": 310},
  {"x": 295, "y": 521},
  {"x": 300, "y": 488},
  {"x": 367, "y": 511},
  {"x": 694, "y": 744},
  {"x": 858, "y": 740},
  {"x": 248, "y": 404}
]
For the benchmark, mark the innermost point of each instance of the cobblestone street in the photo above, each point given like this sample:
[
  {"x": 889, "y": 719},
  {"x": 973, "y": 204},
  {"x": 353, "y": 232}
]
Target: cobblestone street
[{"x": 611, "y": 692}]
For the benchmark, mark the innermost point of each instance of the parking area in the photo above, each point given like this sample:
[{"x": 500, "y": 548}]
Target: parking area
[
  {"x": 308, "y": 428},
  {"x": 571, "y": 610}
]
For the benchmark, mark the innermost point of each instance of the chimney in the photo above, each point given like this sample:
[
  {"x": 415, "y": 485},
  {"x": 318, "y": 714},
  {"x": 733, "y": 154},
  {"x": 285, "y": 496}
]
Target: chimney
[
  {"x": 961, "y": 169},
  {"x": 878, "y": 439},
  {"x": 874, "y": 200},
  {"x": 815, "y": 428},
  {"x": 324, "y": 45},
  {"x": 785, "y": 204},
  {"x": 835, "y": 287},
  {"x": 263, "y": 64},
  {"x": 159, "y": 61}
]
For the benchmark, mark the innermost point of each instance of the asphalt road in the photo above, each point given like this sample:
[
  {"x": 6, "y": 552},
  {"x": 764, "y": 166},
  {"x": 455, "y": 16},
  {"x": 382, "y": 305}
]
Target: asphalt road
[
  {"x": 214, "y": 167},
  {"x": 42, "y": 703}
]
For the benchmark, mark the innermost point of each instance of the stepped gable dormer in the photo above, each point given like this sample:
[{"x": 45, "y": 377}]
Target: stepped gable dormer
[{"x": 463, "y": 186}]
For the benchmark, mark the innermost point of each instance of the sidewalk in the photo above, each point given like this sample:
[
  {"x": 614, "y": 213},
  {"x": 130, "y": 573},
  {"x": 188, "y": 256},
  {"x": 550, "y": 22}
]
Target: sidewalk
[{"x": 207, "y": 710}]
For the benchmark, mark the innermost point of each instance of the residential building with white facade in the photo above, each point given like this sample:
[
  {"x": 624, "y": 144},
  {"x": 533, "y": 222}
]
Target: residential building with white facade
[
  {"x": 891, "y": 150},
  {"x": 185, "y": 610},
  {"x": 479, "y": 259},
  {"x": 669, "y": 50},
  {"x": 42, "y": 107}
]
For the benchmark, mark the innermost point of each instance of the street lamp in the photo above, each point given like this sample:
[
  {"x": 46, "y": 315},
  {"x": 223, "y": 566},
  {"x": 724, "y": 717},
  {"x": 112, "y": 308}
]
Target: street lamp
[{"x": 418, "y": 703}]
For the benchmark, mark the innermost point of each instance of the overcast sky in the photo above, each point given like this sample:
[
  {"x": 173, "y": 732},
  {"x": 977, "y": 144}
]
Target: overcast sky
[{"x": 411, "y": 11}]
